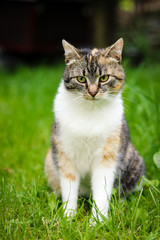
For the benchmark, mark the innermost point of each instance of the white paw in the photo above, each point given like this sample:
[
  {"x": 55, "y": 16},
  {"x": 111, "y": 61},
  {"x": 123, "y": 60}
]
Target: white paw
[
  {"x": 92, "y": 222},
  {"x": 70, "y": 212},
  {"x": 98, "y": 219},
  {"x": 98, "y": 216}
]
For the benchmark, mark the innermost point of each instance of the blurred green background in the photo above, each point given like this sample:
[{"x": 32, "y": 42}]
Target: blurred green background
[{"x": 31, "y": 67}]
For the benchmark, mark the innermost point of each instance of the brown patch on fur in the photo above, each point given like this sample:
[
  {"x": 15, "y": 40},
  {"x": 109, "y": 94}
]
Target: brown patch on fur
[
  {"x": 64, "y": 163},
  {"x": 70, "y": 177},
  {"x": 90, "y": 59},
  {"x": 118, "y": 86},
  {"x": 111, "y": 148},
  {"x": 66, "y": 166}
]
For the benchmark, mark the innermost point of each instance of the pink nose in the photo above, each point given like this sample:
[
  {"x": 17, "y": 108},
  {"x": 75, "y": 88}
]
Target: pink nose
[{"x": 93, "y": 93}]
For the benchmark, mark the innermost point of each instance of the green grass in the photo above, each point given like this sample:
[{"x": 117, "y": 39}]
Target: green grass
[{"x": 28, "y": 208}]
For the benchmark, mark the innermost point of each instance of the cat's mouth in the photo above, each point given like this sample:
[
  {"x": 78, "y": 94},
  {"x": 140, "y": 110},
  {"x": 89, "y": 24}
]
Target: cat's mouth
[{"x": 90, "y": 98}]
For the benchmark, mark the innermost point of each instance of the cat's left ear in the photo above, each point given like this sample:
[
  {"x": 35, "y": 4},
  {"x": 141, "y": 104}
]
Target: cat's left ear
[
  {"x": 71, "y": 53},
  {"x": 115, "y": 50}
]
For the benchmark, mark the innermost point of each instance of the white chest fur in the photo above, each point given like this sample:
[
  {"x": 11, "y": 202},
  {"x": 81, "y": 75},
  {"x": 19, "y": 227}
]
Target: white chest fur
[{"x": 85, "y": 126}]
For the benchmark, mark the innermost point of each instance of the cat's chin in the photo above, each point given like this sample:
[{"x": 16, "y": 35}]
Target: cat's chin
[
  {"x": 89, "y": 98},
  {"x": 93, "y": 99}
]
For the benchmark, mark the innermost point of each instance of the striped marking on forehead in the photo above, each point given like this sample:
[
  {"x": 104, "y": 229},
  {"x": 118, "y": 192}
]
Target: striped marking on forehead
[
  {"x": 92, "y": 55},
  {"x": 92, "y": 64}
]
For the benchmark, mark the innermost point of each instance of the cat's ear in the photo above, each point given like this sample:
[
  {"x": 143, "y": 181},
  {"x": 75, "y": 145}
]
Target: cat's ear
[
  {"x": 71, "y": 53},
  {"x": 115, "y": 50}
]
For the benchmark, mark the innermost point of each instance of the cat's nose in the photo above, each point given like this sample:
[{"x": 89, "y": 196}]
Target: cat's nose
[{"x": 93, "y": 93}]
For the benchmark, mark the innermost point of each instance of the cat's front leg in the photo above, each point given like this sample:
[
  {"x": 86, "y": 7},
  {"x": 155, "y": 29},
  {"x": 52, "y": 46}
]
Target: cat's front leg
[
  {"x": 103, "y": 175},
  {"x": 69, "y": 181},
  {"x": 69, "y": 188},
  {"x": 102, "y": 184}
]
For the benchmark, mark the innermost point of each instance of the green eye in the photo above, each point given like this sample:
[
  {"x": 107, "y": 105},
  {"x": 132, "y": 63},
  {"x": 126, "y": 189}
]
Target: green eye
[
  {"x": 81, "y": 79},
  {"x": 104, "y": 78}
]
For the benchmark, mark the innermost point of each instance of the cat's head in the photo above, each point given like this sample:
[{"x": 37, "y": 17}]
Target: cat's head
[{"x": 94, "y": 74}]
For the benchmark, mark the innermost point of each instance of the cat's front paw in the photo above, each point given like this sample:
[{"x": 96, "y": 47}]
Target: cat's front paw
[
  {"x": 98, "y": 219},
  {"x": 98, "y": 216},
  {"x": 70, "y": 213}
]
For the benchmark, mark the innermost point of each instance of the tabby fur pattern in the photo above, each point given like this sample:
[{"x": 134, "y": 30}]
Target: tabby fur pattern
[{"x": 91, "y": 149}]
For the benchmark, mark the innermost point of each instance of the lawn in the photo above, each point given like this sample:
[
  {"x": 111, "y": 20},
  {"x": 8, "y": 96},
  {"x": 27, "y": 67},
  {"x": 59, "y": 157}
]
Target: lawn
[{"x": 28, "y": 208}]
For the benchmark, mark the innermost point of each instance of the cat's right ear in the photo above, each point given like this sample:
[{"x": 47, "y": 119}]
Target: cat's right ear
[{"x": 71, "y": 53}]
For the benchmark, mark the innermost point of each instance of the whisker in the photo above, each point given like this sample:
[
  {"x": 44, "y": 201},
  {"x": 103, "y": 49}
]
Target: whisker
[
  {"x": 107, "y": 99},
  {"x": 125, "y": 107},
  {"x": 129, "y": 99},
  {"x": 76, "y": 101}
]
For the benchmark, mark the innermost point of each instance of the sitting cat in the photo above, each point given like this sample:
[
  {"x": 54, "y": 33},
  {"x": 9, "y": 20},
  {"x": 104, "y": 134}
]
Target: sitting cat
[{"x": 91, "y": 149}]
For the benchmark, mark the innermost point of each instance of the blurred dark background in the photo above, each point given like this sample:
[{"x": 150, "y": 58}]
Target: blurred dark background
[{"x": 32, "y": 31}]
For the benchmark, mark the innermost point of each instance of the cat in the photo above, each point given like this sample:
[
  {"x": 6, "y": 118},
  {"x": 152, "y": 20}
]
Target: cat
[{"x": 91, "y": 149}]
